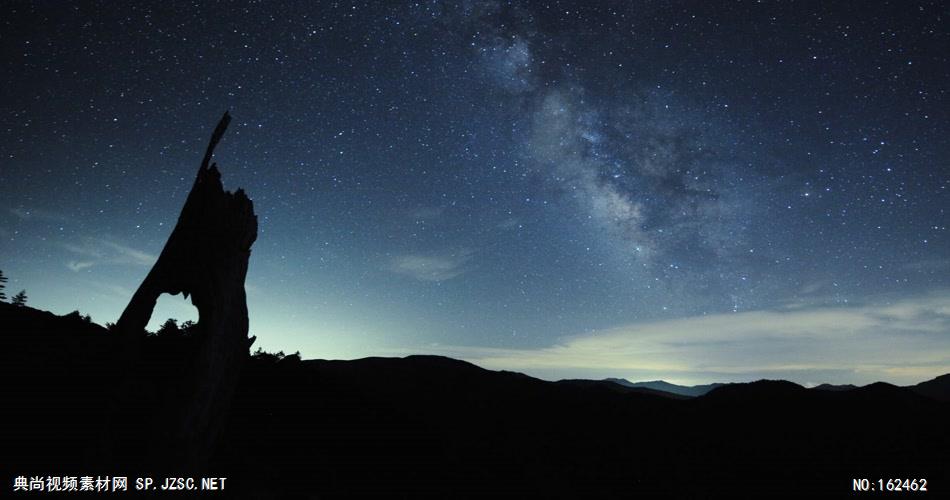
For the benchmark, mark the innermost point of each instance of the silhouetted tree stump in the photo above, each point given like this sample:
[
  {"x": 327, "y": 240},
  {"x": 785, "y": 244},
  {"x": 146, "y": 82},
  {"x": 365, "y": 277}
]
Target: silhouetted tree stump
[{"x": 206, "y": 258}]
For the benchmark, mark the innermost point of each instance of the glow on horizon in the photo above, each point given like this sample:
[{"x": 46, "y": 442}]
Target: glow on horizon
[{"x": 902, "y": 342}]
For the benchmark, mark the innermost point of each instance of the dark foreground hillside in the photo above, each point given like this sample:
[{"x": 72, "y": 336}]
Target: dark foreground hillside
[{"x": 425, "y": 425}]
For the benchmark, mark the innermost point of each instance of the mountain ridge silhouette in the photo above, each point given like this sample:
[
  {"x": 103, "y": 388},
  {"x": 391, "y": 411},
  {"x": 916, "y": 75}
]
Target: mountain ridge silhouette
[
  {"x": 662, "y": 385},
  {"x": 431, "y": 426}
]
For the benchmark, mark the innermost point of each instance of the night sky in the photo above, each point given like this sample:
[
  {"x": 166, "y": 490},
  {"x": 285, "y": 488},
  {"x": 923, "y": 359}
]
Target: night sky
[{"x": 699, "y": 192}]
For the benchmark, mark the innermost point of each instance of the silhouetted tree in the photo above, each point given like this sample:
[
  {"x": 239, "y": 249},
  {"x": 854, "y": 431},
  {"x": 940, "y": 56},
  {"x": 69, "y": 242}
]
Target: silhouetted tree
[
  {"x": 19, "y": 299},
  {"x": 3, "y": 279},
  {"x": 169, "y": 327},
  {"x": 188, "y": 328},
  {"x": 268, "y": 357},
  {"x": 77, "y": 316},
  {"x": 274, "y": 357}
]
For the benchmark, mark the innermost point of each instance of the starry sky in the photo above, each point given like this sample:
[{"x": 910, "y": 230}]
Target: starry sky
[{"x": 694, "y": 191}]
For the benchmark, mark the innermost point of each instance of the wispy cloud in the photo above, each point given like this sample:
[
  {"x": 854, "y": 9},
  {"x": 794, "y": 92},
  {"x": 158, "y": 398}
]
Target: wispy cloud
[
  {"x": 902, "y": 342},
  {"x": 431, "y": 267},
  {"x": 89, "y": 249},
  {"x": 76, "y": 265},
  {"x": 99, "y": 251},
  {"x": 129, "y": 255},
  {"x": 25, "y": 214},
  {"x": 112, "y": 290}
]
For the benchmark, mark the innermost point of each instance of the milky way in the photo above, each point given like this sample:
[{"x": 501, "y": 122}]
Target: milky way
[{"x": 696, "y": 192}]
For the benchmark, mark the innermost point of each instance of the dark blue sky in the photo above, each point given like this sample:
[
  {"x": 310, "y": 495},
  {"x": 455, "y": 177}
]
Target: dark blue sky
[{"x": 694, "y": 191}]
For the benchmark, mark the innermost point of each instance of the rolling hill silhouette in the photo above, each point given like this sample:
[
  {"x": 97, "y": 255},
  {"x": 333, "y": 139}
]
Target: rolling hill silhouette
[
  {"x": 834, "y": 387},
  {"x": 434, "y": 426},
  {"x": 664, "y": 386},
  {"x": 936, "y": 388}
]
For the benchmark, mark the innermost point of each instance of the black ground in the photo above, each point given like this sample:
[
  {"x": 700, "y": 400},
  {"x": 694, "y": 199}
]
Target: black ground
[{"x": 433, "y": 426}]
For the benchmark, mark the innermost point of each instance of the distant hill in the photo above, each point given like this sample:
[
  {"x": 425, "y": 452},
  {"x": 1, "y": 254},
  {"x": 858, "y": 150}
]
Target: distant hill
[
  {"x": 429, "y": 426},
  {"x": 661, "y": 385},
  {"x": 937, "y": 388},
  {"x": 833, "y": 387},
  {"x": 613, "y": 386},
  {"x": 760, "y": 391}
]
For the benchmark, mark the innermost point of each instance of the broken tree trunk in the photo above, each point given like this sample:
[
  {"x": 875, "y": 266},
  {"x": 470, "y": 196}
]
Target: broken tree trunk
[{"x": 206, "y": 258}]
